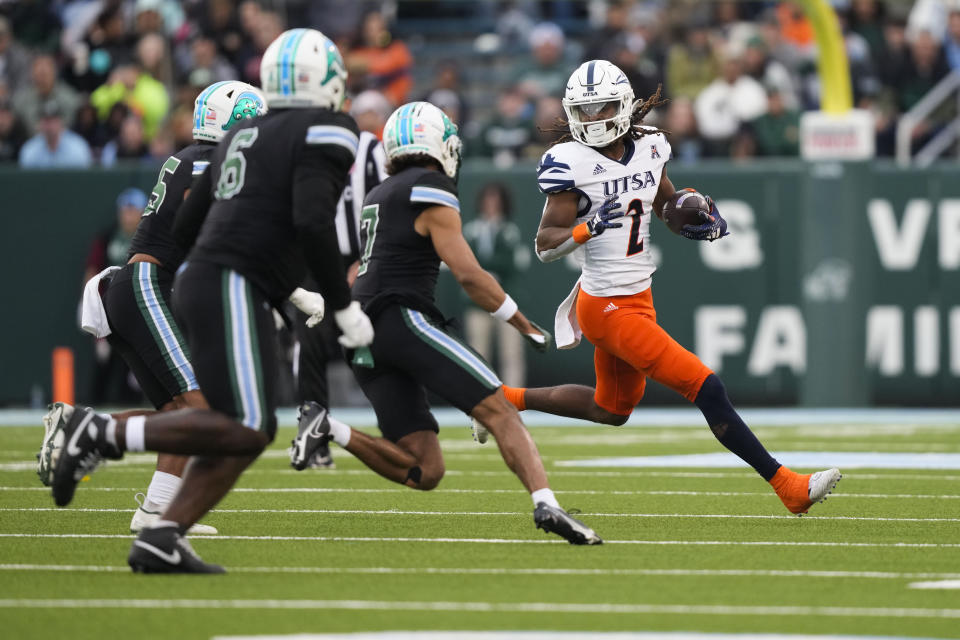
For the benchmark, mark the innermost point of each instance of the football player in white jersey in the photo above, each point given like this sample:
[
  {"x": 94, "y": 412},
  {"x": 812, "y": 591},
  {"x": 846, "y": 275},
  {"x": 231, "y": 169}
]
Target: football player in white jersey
[{"x": 602, "y": 181}]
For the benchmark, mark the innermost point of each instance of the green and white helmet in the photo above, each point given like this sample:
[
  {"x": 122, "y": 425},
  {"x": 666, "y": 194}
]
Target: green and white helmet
[
  {"x": 420, "y": 127},
  {"x": 222, "y": 105},
  {"x": 303, "y": 68}
]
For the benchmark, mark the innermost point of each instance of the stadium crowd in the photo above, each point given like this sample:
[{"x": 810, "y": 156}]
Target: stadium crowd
[{"x": 86, "y": 82}]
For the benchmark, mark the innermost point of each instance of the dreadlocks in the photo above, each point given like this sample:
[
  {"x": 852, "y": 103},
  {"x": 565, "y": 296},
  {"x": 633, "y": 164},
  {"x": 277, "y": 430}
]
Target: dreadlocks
[{"x": 640, "y": 110}]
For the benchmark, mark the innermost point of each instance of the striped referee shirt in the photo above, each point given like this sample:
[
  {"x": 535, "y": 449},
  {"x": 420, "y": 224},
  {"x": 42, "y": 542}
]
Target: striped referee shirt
[{"x": 368, "y": 171}]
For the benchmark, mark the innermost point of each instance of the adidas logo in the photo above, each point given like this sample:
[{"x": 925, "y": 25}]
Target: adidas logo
[
  {"x": 598, "y": 170},
  {"x": 610, "y": 307}
]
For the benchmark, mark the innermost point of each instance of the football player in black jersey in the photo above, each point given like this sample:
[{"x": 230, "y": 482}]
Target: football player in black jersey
[
  {"x": 259, "y": 218},
  {"x": 137, "y": 299},
  {"x": 409, "y": 223}
]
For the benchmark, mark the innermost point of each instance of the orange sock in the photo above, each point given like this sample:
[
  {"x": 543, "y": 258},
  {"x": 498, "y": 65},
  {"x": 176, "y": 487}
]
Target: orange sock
[
  {"x": 516, "y": 396},
  {"x": 792, "y": 488}
]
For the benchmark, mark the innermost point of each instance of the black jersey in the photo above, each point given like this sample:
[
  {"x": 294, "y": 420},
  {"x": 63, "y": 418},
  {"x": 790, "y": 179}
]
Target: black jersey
[
  {"x": 154, "y": 234},
  {"x": 272, "y": 190},
  {"x": 397, "y": 264}
]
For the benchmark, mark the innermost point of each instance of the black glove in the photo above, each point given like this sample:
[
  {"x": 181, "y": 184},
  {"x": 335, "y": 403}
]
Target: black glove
[
  {"x": 713, "y": 228},
  {"x": 603, "y": 216}
]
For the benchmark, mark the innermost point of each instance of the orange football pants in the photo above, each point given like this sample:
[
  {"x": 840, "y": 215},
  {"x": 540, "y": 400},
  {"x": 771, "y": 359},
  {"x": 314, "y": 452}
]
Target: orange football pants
[{"x": 629, "y": 345}]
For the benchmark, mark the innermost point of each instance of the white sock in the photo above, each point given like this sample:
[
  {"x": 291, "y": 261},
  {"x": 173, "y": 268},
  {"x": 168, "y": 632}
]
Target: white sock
[
  {"x": 135, "y": 433},
  {"x": 162, "y": 488},
  {"x": 340, "y": 431},
  {"x": 544, "y": 495}
]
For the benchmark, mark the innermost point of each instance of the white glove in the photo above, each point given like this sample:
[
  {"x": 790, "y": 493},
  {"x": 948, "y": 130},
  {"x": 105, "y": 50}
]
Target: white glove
[
  {"x": 355, "y": 325},
  {"x": 311, "y": 303}
]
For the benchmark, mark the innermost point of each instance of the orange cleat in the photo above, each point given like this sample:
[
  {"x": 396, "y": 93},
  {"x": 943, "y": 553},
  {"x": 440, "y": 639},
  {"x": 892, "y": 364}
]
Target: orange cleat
[{"x": 799, "y": 492}]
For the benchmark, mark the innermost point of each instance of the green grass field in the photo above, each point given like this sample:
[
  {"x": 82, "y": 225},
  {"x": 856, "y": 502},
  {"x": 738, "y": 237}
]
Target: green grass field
[{"x": 686, "y": 549}]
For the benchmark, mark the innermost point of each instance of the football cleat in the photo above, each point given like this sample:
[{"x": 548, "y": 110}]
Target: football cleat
[
  {"x": 313, "y": 430},
  {"x": 480, "y": 432},
  {"x": 85, "y": 447},
  {"x": 144, "y": 519},
  {"x": 556, "y": 520},
  {"x": 53, "y": 422},
  {"x": 164, "y": 550},
  {"x": 799, "y": 492},
  {"x": 322, "y": 459}
]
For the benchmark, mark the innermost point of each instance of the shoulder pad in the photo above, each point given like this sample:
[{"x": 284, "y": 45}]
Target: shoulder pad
[{"x": 555, "y": 171}]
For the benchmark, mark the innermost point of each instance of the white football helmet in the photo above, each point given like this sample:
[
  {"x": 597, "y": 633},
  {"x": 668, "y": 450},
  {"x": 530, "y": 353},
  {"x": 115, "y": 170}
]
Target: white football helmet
[
  {"x": 598, "y": 88},
  {"x": 420, "y": 127},
  {"x": 303, "y": 68},
  {"x": 222, "y": 105}
]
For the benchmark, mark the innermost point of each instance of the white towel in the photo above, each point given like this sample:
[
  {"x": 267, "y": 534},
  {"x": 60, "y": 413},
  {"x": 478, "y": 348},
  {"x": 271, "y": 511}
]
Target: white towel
[
  {"x": 93, "y": 317},
  {"x": 566, "y": 329}
]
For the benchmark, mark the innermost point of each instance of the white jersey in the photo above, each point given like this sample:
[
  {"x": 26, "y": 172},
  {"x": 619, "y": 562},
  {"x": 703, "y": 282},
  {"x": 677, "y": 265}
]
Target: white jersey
[
  {"x": 367, "y": 172},
  {"x": 616, "y": 262}
]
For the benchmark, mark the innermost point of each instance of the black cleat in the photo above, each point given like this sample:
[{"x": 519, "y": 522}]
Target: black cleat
[
  {"x": 322, "y": 459},
  {"x": 84, "y": 448},
  {"x": 313, "y": 431},
  {"x": 556, "y": 520},
  {"x": 164, "y": 550}
]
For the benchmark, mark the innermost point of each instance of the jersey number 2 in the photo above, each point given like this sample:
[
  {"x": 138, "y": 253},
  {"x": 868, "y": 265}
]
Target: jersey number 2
[
  {"x": 635, "y": 210},
  {"x": 234, "y": 168},
  {"x": 369, "y": 218}
]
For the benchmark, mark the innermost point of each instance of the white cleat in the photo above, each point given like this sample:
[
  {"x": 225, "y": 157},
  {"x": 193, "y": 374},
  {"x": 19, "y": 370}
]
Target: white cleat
[
  {"x": 54, "y": 419},
  {"x": 143, "y": 519},
  {"x": 821, "y": 484},
  {"x": 480, "y": 433}
]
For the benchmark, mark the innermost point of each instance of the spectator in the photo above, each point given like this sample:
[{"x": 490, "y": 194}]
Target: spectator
[
  {"x": 89, "y": 127},
  {"x": 55, "y": 146},
  {"x": 692, "y": 64},
  {"x": 769, "y": 72},
  {"x": 45, "y": 87},
  {"x": 267, "y": 27},
  {"x": 380, "y": 62},
  {"x": 507, "y": 132},
  {"x": 106, "y": 46},
  {"x": 13, "y": 133},
  {"x": 499, "y": 247},
  {"x": 14, "y": 59},
  {"x": 682, "y": 125},
  {"x": 549, "y": 110},
  {"x": 447, "y": 93},
  {"x": 866, "y": 18},
  {"x": 111, "y": 380},
  {"x": 547, "y": 73},
  {"x": 777, "y": 132},
  {"x": 164, "y": 17},
  {"x": 728, "y": 102},
  {"x": 371, "y": 109},
  {"x": 128, "y": 145},
  {"x": 154, "y": 58},
  {"x": 925, "y": 67},
  {"x": 221, "y": 23},
  {"x": 616, "y": 23},
  {"x": 144, "y": 94},
  {"x": 951, "y": 47},
  {"x": 35, "y": 23},
  {"x": 205, "y": 65}
]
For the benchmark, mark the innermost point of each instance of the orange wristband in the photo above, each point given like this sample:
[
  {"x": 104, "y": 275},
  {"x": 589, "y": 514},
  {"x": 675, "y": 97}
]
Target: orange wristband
[{"x": 581, "y": 233}]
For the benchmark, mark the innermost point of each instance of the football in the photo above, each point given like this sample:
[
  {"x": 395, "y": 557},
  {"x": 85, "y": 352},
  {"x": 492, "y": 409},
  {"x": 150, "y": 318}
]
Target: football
[{"x": 684, "y": 207}]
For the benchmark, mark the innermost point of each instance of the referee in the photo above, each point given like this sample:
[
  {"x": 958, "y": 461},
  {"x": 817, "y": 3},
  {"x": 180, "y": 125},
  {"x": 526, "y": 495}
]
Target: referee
[{"x": 318, "y": 346}]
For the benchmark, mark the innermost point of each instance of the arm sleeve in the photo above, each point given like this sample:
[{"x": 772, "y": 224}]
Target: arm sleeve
[
  {"x": 434, "y": 189},
  {"x": 193, "y": 211},
  {"x": 554, "y": 175},
  {"x": 318, "y": 180}
]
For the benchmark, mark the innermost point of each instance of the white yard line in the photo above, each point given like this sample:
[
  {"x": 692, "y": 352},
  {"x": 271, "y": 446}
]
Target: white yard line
[
  {"x": 939, "y": 584},
  {"x": 692, "y": 543},
  {"x": 514, "y": 571},
  {"x": 588, "y": 492},
  {"x": 398, "y": 512},
  {"x": 513, "y": 607}
]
